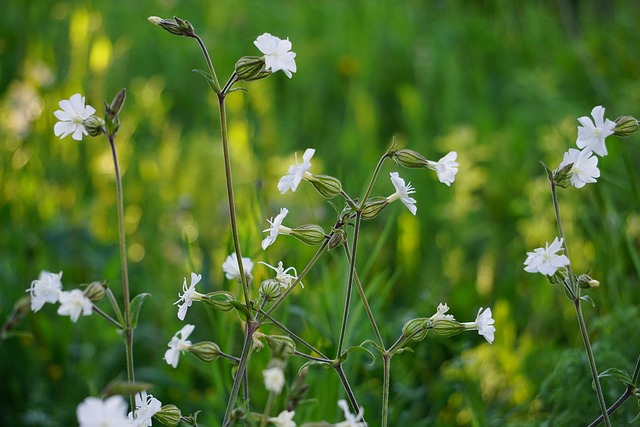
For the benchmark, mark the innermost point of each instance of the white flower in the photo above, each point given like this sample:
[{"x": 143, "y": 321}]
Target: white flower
[
  {"x": 296, "y": 172},
  {"x": 46, "y": 289},
  {"x": 350, "y": 419},
  {"x": 273, "y": 379},
  {"x": 592, "y": 134},
  {"x": 74, "y": 303},
  {"x": 72, "y": 117},
  {"x": 440, "y": 314},
  {"x": 94, "y": 412},
  {"x": 284, "y": 419},
  {"x": 402, "y": 193},
  {"x": 189, "y": 295},
  {"x": 231, "y": 269},
  {"x": 446, "y": 168},
  {"x": 277, "y": 54},
  {"x": 282, "y": 276},
  {"x": 178, "y": 345},
  {"x": 483, "y": 324},
  {"x": 544, "y": 260},
  {"x": 146, "y": 407},
  {"x": 276, "y": 228},
  {"x": 585, "y": 166}
]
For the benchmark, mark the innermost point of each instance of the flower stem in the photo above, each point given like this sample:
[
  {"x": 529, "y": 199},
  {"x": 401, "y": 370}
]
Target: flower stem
[
  {"x": 376, "y": 171},
  {"x": 352, "y": 273},
  {"x": 209, "y": 63},
  {"x": 386, "y": 366},
  {"x": 241, "y": 371},
  {"x": 347, "y": 388}
]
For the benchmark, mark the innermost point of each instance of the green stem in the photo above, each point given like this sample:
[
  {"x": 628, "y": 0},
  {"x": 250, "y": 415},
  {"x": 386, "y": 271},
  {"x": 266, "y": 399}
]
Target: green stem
[
  {"x": 240, "y": 372},
  {"x": 106, "y": 316},
  {"x": 347, "y": 388},
  {"x": 376, "y": 171},
  {"x": 296, "y": 337},
  {"x": 386, "y": 365},
  {"x": 267, "y": 409},
  {"x": 352, "y": 272},
  {"x": 128, "y": 331},
  {"x": 209, "y": 63}
]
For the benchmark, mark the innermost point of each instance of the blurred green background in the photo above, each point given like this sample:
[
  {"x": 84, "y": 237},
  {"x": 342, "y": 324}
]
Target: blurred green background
[{"x": 500, "y": 82}]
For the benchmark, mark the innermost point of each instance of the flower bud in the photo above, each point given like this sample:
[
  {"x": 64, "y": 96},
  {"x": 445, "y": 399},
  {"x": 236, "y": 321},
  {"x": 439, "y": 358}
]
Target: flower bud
[
  {"x": 447, "y": 328},
  {"x": 310, "y": 234},
  {"x": 270, "y": 290},
  {"x": 558, "y": 277},
  {"x": 410, "y": 159},
  {"x": 94, "y": 125},
  {"x": 625, "y": 126},
  {"x": 176, "y": 26},
  {"x": 220, "y": 300},
  {"x": 415, "y": 329},
  {"x": 248, "y": 67},
  {"x": 169, "y": 415},
  {"x": 117, "y": 103},
  {"x": 586, "y": 282},
  {"x": 562, "y": 177},
  {"x": 373, "y": 207},
  {"x": 95, "y": 291},
  {"x": 281, "y": 346},
  {"x": 206, "y": 351},
  {"x": 328, "y": 186},
  {"x": 337, "y": 238}
]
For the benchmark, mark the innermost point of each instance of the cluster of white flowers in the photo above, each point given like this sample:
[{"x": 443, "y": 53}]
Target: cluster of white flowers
[
  {"x": 48, "y": 289},
  {"x": 112, "y": 412},
  {"x": 591, "y": 140}
]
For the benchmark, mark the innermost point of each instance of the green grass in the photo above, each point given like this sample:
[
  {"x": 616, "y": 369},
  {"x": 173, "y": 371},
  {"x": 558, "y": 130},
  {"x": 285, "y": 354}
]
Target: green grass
[{"x": 501, "y": 82}]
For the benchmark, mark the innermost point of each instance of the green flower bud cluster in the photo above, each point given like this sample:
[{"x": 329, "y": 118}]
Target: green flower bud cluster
[{"x": 176, "y": 26}]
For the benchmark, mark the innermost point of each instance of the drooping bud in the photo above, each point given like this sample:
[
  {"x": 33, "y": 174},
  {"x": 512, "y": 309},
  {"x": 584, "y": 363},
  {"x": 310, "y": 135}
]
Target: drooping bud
[
  {"x": 373, "y": 207},
  {"x": 281, "y": 346},
  {"x": 586, "y": 282},
  {"x": 94, "y": 125},
  {"x": 206, "y": 351},
  {"x": 328, "y": 186},
  {"x": 415, "y": 329},
  {"x": 248, "y": 67},
  {"x": 95, "y": 291},
  {"x": 447, "y": 328},
  {"x": 270, "y": 290},
  {"x": 168, "y": 415},
  {"x": 410, "y": 159},
  {"x": 176, "y": 26},
  {"x": 337, "y": 238},
  {"x": 310, "y": 234},
  {"x": 625, "y": 126}
]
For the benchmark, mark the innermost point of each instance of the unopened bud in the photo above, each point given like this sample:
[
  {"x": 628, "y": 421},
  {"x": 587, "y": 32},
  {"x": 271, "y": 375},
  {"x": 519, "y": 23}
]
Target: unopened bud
[
  {"x": 562, "y": 177},
  {"x": 95, "y": 291},
  {"x": 337, "y": 238},
  {"x": 410, "y": 159},
  {"x": 558, "y": 277},
  {"x": 373, "y": 207},
  {"x": 281, "y": 346},
  {"x": 415, "y": 329},
  {"x": 117, "y": 103},
  {"x": 169, "y": 415},
  {"x": 176, "y": 26},
  {"x": 220, "y": 300},
  {"x": 447, "y": 328},
  {"x": 248, "y": 67},
  {"x": 206, "y": 351},
  {"x": 328, "y": 186},
  {"x": 94, "y": 125},
  {"x": 270, "y": 290},
  {"x": 310, "y": 234},
  {"x": 586, "y": 282},
  {"x": 625, "y": 126}
]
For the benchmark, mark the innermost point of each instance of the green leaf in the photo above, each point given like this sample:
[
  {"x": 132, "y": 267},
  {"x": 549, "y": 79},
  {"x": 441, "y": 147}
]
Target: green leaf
[
  {"x": 618, "y": 375},
  {"x": 241, "y": 309},
  {"x": 136, "y": 305},
  {"x": 588, "y": 299},
  {"x": 356, "y": 348},
  {"x": 208, "y": 78}
]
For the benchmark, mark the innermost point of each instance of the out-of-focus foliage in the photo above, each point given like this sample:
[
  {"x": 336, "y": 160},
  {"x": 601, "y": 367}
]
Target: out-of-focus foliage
[{"x": 500, "y": 82}]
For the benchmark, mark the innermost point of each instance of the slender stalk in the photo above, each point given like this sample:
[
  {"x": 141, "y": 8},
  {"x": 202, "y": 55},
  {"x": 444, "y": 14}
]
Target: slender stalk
[
  {"x": 293, "y": 335},
  {"x": 386, "y": 366},
  {"x": 240, "y": 372},
  {"x": 352, "y": 272},
  {"x": 347, "y": 388},
  {"x": 209, "y": 63},
  {"x": 128, "y": 331},
  {"x": 376, "y": 171},
  {"x": 574, "y": 292},
  {"x": 267, "y": 409},
  {"x": 313, "y": 358},
  {"x": 106, "y": 316}
]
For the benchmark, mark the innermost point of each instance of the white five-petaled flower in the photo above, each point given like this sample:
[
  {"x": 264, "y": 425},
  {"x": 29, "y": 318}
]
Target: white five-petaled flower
[
  {"x": 72, "y": 117},
  {"x": 585, "y": 166},
  {"x": 483, "y": 324},
  {"x": 231, "y": 269},
  {"x": 446, "y": 168},
  {"x": 111, "y": 412},
  {"x": 146, "y": 407},
  {"x": 402, "y": 193},
  {"x": 284, "y": 419},
  {"x": 440, "y": 313},
  {"x": 591, "y": 134},
  {"x": 189, "y": 295},
  {"x": 296, "y": 172},
  {"x": 277, "y": 54},
  {"x": 74, "y": 303},
  {"x": 46, "y": 288},
  {"x": 545, "y": 260},
  {"x": 275, "y": 228},
  {"x": 177, "y": 345},
  {"x": 273, "y": 379},
  {"x": 350, "y": 419},
  {"x": 282, "y": 276}
]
